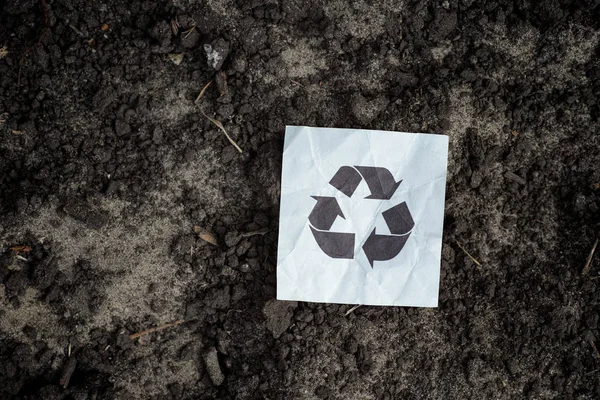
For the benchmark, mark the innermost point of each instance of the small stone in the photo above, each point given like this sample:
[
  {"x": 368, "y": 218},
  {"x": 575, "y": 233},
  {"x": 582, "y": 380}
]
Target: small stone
[
  {"x": 279, "y": 315},
  {"x": 216, "y": 53},
  {"x": 83, "y": 212},
  {"x": 232, "y": 238},
  {"x": 122, "y": 127},
  {"x": 226, "y": 111},
  {"x": 213, "y": 368},
  {"x": 239, "y": 63},
  {"x": 190, "y": 39},
  {"x": 162, "y": 32}
]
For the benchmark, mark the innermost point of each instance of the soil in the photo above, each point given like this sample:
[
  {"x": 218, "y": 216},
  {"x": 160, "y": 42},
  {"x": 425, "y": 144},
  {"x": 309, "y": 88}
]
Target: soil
[{"x": 107, "y": 165}]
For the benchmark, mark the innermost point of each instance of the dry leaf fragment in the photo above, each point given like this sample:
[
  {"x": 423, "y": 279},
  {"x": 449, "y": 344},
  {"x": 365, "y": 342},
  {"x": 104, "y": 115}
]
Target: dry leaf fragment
[
  {"x": 176, "y": 58},
  {"x": 515, "y": 133},
  {"x": 175, "y": 27},
  {"x": 104, "y": 27},
  {"x": 596, "y": 186},
  {"x": 206, "y": 235}
]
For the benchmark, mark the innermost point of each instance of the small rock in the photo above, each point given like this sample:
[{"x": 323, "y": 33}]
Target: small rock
[
  {"x": 232, "y": 238},
  {"x": 213, "y": 368},
  {"x": 279, "y": 315},
  {"x": 216, "y": 53},
  {"x": 239, "y": 62},
  {"x": 225, "y": 111},
  {"x": 83, "y": 212},
  {"x": 123, "y": 341},
  {"x": 190, "y": 39},
  {"x": 365, "y": 110},
  {"x": 122, "y": 127},
  {"x": 221, "y": 81},
  {"x": 162, "y": 32},
  {"x": 113, "y": 187}
]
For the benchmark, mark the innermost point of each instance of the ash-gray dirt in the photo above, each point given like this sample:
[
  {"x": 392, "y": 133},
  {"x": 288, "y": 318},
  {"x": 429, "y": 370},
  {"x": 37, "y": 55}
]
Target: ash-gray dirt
[{"x": 106, "y": 166}]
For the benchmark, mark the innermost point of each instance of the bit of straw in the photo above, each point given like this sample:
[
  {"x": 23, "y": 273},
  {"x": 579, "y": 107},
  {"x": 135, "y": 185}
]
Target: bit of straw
[
  {"x": 222, "y": 128},
  {"x": 467, "y": 253},
  {"x": 216, "y": 122},
  {"x": 596, "y": 352},
  {"x": 261, "y": 231},
  {"x": 202, "y": 92},
  {"x": 158, "y": 328},
  {"x": 189, "y": 31},
  {"x": 352, "y": 309},
  {"x": 588, "y": 263}
]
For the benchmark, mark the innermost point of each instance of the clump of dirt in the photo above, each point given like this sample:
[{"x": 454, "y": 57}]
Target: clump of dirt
[{"x": 107, "y": 165}]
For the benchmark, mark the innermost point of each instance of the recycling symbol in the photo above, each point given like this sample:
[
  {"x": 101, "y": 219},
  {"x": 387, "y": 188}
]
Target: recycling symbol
[{"x": 382, "y": 185}]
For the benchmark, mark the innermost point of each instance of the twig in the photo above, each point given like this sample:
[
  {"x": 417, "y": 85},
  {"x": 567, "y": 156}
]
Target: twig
[
  {"x": 514, "y": 177},
  {"x": 588, "y": 263},
  {"x": 69, "y": 369},
  {"x": 77, "y": 31},
  {"x": 467, "y": 253},
  {"x": 296, "y": 82},
  {"x": 352, "y": 309},
  {"x": 21, "y": 249},
  {"x": 216, "y": 122},
  {"x": 261, "y": 231},
  {"x": 219, "y": 125},
  {"x": 189, "y": 31},
  {"x": 596, "y": 352},
  {"x": 202, "y": 92},
  {"x": 46, "y": 29},
  {"x": 592, "y": 372},
  {"x": 158, "y": 328}
]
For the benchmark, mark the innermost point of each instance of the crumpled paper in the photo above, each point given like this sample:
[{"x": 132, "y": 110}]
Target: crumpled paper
[{"x": 361, "y": 216}]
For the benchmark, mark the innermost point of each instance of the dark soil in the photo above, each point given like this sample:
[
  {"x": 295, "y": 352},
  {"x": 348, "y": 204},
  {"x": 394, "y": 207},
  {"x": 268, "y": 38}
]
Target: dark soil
[{"x": 106, "y": 166}]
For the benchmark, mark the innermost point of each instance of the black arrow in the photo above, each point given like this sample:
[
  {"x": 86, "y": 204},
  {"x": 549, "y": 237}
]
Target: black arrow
[
  {"x": 335, "y": 244},
  {"x": 381, "y": 182},
  {"x": 398, "y": 219},
  {"x": 346, "y": 180},
  {"x": 325, "y": 212},
  {"x": 383, "y": 247}
]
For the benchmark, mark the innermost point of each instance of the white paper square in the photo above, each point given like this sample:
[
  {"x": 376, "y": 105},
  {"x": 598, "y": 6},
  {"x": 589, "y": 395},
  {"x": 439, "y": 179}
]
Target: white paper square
[{"x": 311, "y": 159}]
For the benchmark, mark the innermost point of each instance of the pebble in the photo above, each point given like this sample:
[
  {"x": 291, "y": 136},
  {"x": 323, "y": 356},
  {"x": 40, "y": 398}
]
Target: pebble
[
  {"x": 213, "y": 368},
  {"x": 216, "y": 53},
  {"x": 279, "y": 315}
]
